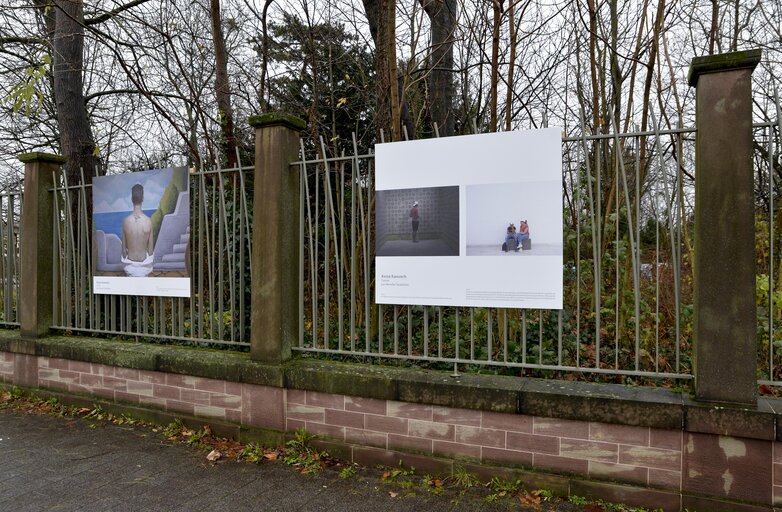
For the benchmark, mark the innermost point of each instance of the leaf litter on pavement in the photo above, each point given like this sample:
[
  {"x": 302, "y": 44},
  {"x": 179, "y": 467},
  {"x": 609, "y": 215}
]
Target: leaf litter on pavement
[{"x": 298, "y": 452}]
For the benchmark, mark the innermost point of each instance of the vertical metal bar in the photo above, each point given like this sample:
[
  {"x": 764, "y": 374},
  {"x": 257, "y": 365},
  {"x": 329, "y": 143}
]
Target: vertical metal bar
[
  {"x": 86, "y": 255},
  {"x": 71, "y": 250},
  {"x": 617, "y": 296},
  {"x": 201, "y": 232},
  {"x": 379, "y": 329},
  {"x": 594, "y": 217},
  {"x": 326, "y": 249},
  {"x": 559, "y": 339},
  {"x": 636, "y": 142},
  {"x": 367, "y": 242},
  {"x": 458, "y": 354},
  {"x": 426, "y": 331},
  {"x": 409, "y": 330},
  {"x": 540, "y": 336},
  {"x": 311, "y": 251},
  {"x": 472, "y": 334},
  {"x": 302, "y": 196},
  {"x": 771, "y": 232},
  {"x": 211, "y": 227},
  {"x": 488, "y": 334},
  {"x": 674, "y": 248},
  {"x": 631, "y": 233},
  {"x": 439, "y": 331},
  {"x": 524, "y": 336},
  {"x": 235, "y": 242},
  {"x": 505, "y": 335},
  {"x": 6, "y": 236},
  {"x": 579, "y": 208},
  {"x": 353, "y": 263},
  {"x": 57, "y": 256},
  {"x": 396, "y": 329},
  {"x": 657, "y": 278},
  {"x": 340, "y": 259},
  {"x": 315, "y": 249},
  {"x": 221, "y": 229},
  {"x": 248, "y": 242}
]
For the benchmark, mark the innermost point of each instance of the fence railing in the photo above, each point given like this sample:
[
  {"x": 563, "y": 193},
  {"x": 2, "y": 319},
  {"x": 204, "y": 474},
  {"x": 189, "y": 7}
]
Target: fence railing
[
  {"x": 10, "y": 257},
  {"x": 218, "y": 310},
  {"x": 768, "y": 184},
  {"x": 627, "y": 293},
  {"x": 627, "y": 267}
]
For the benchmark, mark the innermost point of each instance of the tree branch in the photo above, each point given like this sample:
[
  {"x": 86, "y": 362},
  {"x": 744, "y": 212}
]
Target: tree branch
[{"x": 110, "y": 14}]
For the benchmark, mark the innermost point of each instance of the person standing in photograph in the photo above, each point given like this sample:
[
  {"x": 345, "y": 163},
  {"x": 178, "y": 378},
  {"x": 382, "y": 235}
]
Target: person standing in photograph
[
  {"x": 414, "y": 217},
  {"x": 137, "y": 238}
]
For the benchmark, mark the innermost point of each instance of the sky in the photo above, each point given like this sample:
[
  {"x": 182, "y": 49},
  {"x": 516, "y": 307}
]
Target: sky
[{"x": 112, "y": 193}]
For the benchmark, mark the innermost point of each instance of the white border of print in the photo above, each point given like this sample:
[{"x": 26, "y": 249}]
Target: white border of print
[
  {"x": 484, "y": 281},
  {"x": 142, "y": 286}
]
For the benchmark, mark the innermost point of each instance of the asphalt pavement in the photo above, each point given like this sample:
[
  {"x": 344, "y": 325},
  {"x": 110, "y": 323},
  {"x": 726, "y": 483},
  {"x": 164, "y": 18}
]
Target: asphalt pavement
[{"x": 66, "y": 464}]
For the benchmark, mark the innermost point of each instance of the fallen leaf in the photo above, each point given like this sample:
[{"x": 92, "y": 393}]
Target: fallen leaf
[
  {"x": 214, "y": 455},
  {"x": 529, "y": 499},
  {"x": 386, "y": 474},
  {"x": 271, "y": 456},
  {"x": 393, "y": 494},
  {"x": 437, "y": 482}
]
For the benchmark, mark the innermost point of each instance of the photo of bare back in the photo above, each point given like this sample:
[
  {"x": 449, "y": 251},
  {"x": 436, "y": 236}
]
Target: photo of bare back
[{"x": 141, "y": 230}]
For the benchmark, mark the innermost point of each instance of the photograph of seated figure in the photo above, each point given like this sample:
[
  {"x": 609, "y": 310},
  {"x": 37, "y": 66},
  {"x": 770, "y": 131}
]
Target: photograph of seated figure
[
  {"x": 491, "y": 230},
  {"x": 141, "y": 224}
]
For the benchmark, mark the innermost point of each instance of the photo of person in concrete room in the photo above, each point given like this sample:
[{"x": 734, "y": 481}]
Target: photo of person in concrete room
[{"x": 417, "y": 222}]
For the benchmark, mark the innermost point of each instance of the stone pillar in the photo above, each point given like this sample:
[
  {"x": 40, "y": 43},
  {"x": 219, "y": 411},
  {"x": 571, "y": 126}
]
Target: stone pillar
[
  {"x": 725, "y": 349},
  {"x": 275, "y": 251},
  {"x": 35, "y": 313}
]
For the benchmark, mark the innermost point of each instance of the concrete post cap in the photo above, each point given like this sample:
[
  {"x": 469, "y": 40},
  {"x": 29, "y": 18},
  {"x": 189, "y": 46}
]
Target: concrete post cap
[
  {"x": 277, "y": 119},
  {"x": 722, "y": 62},
  {"x": 41, "y": 157}
]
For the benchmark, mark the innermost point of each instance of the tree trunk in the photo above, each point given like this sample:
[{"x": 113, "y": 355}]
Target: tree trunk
[
  {"x": 77, "y": 143},
  {"x": 382, "y": 27},
  {"x": 442, "y": 15},
  {"x": 222, "y": 86},
  {"x": 495, "y": 52},
  {"x": 513, "y": 34}
]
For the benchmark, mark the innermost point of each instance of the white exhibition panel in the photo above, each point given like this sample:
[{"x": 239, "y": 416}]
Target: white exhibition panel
[{"x": 502, "y": 178}]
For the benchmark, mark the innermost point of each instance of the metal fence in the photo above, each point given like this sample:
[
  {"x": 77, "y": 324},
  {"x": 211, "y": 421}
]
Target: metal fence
[
  {"x": 628, "y": 200},
  {"x": 768, "y": 178},
  {"x": 218, "y": 310},
  {"x": 627, "y": 289},
  {"x": 11, "y": 257}
]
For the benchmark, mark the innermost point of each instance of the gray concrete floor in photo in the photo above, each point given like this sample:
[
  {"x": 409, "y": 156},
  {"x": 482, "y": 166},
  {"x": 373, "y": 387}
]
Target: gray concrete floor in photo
[
  {"x": 496, "y": 250},
  {"x": 435, "y": 247},
  {"x": 51, "y": 463}
]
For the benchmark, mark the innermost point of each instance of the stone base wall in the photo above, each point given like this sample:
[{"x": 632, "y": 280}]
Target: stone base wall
[{"x": 671, "y": 463}]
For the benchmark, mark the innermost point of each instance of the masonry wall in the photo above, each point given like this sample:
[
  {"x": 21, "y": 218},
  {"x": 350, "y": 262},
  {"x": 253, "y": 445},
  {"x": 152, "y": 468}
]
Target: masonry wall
[{"x": 374, "y": 431}]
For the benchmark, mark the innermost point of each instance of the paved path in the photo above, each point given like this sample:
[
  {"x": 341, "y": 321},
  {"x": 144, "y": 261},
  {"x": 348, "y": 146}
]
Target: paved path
[{"x": 51, "y": 463}]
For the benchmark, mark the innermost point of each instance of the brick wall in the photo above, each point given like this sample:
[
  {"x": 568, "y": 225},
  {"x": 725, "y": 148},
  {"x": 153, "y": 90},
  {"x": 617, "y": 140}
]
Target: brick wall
[
  {"x": 628, "y": 454},
  {"x": 375, "y": 430},
  {"x": 261, "y": 406}
]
